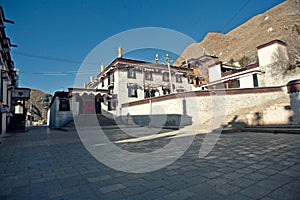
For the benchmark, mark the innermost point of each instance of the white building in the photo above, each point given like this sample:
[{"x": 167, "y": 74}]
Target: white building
[
  {"x": 131, "y": 80},
  {"x": 269, "y": 71}
]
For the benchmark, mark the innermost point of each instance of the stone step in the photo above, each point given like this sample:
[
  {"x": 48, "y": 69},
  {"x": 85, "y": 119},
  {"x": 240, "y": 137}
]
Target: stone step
[
  {"x": 89, "y": 120},
  {"x": 274, "y": 130},
  {"x": 297, "y": 126}
]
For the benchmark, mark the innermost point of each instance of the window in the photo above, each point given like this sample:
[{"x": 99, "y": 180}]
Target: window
[
  {"x": 197, "y": 81},
  {"x": 146, "y": 94},
  {"x": 255, "y": 80},
  {"x": 166, "y": 90},
  {"x": 108, "y": 78},
  {"x": 132, "y": 90},
  {"x": 112, "y": 102},
  {"x": 166, "y": 76},
  {"x": 102, "y": 82},
  {"x": 178, "y": 78},
  {"x": 149, "y": 93},
  {"x": 153, "y": 91},
  {"x": 148, "y": 75},
  {"x": 131, "y": 73},
  {"x": 64, "y": 105},
  {"x": 112, "y": 78}
]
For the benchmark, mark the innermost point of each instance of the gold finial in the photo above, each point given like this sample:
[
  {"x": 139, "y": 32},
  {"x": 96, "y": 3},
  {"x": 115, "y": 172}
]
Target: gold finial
[{"x": 120, "y": 55}]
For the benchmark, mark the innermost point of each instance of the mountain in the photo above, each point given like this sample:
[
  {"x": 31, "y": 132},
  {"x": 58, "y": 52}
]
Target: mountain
[
  {"x": 38, "y": 104},
  {"x": 280, "y": 22}
]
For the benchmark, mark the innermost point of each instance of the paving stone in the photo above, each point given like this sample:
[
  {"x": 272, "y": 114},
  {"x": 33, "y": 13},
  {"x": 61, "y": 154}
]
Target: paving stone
[
  {"x": 257, "y": 166},
  {"x": 284, "y": 193},
  {"x": 218, "y": 181},
  {"x": 175, "y": 186},
  {"x": 291, "y": 173},
  {"x": 155, "y": 184},
  {"x": 293, "y": 185},
  {"x": 242, "y": 182},
  {"x": 192, "y": 173},
  {"x": 112, "y": 188},
  {"x": 208, "y": 195},
  {"x": 211, "y": 174},
  {"x": 270, "y": 184},
  {"x": 98, "y": 178},
  {"x": 155, "y": 193},
  {"x": 196, "y": 180},
  {"x": 202, "y": 189},
  {"x": 267, "y": 198},
  {"x": 134, "y": 182},
  {"x": 179, "y": 195},
  {"x": 280, "y": 178},
  {"x": 233, "y": 175},
  {"x": 255, "y": 191},
  {"x": 267, "y": 171},
  {"x": 227, "y": 189},
  {"x": 238, "y": 197},
  {"x": 255, "y": 176}
]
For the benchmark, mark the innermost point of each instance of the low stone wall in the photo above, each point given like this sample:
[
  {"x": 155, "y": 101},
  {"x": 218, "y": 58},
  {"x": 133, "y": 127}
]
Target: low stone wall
[
  {"x": 204, "y": 106},
  {"x": 293, "y": 88},
  {"x": 295, "y": 106}
]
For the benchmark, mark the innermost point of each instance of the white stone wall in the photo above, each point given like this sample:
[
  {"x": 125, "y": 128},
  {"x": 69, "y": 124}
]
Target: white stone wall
[
  {"x": 295, "y": 106},
  {"x": 5, "y": 101},
  {"x": 246, "y": 81},
  {"x": 214, "y": 73},
  {"x": 267, "y": 55},
  {"x": 273, "y": 61},
  {"x": 204, "y": 108},
  {"x": 59, "y": 118}
]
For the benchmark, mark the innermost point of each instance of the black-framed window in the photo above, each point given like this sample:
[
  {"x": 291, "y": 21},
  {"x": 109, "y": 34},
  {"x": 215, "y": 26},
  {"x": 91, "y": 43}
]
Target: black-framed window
[
  {"x": 64, "y": 104},
  {"x": 166, "y": 90},
  {"x": 149, "y": 93},
  {"x": 108, "y": 78},
  {"x": 165, "y": 76},
  {"x": 131, "y": 73},
  {"x": 152, "y": 92},
  {"x": 132, "y": 90},
  {"x": 146, "y": 94},
  {"x": 102, "y": 82},
  {"x": 255, "y": 80},
  {"x": 148, "y": 75},
  {"x": 178, "y": 78}
]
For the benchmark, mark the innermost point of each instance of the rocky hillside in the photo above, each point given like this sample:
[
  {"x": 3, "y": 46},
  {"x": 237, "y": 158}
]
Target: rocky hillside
[
  {"x": 281, "y": 22},
  {"x": 37, "y": 104}
]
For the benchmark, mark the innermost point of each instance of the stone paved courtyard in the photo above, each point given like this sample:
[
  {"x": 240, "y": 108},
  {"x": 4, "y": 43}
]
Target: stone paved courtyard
[{"x": 54, "y": 164}]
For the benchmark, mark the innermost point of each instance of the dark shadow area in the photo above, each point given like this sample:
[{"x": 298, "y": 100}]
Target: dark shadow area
[
  {"x": 258, "y": 118},
  {"x": 173, "y": 121}
]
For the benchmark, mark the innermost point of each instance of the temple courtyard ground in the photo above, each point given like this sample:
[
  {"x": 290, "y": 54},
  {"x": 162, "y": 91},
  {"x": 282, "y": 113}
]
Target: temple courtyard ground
[{"x": 54, "y": 164}]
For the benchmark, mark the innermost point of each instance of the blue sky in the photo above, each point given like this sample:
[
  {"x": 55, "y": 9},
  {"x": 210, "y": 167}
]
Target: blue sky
[{"x": 55, "y": 36}]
